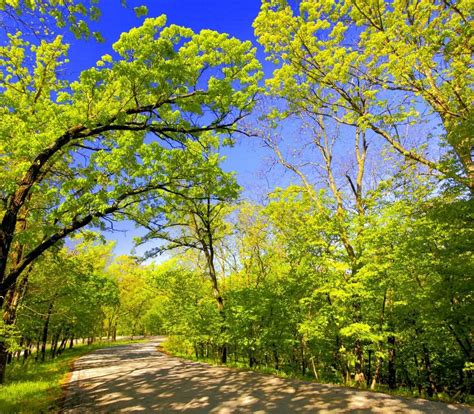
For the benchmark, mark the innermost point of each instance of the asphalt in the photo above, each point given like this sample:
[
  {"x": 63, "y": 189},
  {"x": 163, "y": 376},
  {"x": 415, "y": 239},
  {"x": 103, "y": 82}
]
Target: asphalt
[{"x": 138, "y": 379}]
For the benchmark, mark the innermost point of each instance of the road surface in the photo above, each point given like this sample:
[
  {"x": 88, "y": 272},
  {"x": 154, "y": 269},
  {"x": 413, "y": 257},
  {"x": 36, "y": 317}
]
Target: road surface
[{"x": 136, "y": 378}]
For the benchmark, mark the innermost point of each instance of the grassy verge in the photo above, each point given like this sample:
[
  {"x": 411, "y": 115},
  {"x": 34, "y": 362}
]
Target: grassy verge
[{"x": 35, "y": 387}]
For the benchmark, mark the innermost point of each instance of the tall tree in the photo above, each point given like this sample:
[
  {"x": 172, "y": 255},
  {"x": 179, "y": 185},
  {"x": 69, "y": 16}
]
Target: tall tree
[
  {"x": 379, "y": 66},
  {"x": 83, "y": 145},
  {"x": 195, "y": 218}
]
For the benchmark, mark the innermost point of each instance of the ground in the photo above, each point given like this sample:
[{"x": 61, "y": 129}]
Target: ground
[{"x": 138, "y": 378}]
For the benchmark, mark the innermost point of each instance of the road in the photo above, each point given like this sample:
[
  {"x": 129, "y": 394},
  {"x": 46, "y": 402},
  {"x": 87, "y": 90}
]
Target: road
[{"x": 136, "y": 378}]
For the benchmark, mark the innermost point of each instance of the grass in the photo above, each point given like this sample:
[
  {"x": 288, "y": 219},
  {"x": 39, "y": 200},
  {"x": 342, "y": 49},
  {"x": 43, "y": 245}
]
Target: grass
[{"x": 36, "y": 387}]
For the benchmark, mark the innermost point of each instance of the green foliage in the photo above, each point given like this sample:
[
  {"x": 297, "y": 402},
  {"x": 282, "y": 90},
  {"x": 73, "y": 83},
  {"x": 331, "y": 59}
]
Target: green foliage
[
  {"x": 374, "y": 65},
  {"x": 169, "y": 81},
  {"x": 140, "y": 11},
  {"x": 290, "y": 302},
  {"x": 49, "y": 14},
  {"x": 185, "y": 89},
  {"x": 362, "y": 275},
  {"x": 185, "y": 305},
  {"x": 127, "y": 315}
]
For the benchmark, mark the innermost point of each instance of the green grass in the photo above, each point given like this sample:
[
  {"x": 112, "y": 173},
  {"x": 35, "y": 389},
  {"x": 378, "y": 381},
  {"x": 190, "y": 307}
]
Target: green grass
[{"x": 36, "y": 387}]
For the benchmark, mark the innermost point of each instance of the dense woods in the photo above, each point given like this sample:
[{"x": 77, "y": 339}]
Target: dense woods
[{"x": 356, "y": 270}]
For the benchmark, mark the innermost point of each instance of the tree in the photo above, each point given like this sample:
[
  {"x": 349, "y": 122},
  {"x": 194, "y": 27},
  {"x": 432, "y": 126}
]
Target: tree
[
  {"x": 83, "y": 145},
  {"x": 195, "y": 217},
  {"x": 379, "y": 66}
]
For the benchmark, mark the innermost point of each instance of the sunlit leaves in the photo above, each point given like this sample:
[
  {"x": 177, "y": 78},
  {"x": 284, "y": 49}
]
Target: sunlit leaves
[
  {"x": 373, "y": 66},
  {"x": 182, "y": 87}
]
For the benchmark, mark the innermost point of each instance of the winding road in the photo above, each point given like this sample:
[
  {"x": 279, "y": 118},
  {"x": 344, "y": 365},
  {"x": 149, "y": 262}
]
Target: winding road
[{"x": 138, "y": 378}]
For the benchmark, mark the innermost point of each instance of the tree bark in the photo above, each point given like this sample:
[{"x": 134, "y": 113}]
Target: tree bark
[
  {"x": 3, "y": 361},
  {"x": 378, "y": 369},
  {"x": 431, "y": 384},
  {"x": 54, "y": 345},
  {"x": 62, "y": 346},
  {"x": 369, "y": 368},
  {"x": 45, "y": 332},
  {"x": 392, "y": 374}
]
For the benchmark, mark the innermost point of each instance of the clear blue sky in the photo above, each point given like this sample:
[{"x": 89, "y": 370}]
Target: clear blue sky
[
  {"x": 247, "y": 158},
  {"x": 230, "y": 16}
]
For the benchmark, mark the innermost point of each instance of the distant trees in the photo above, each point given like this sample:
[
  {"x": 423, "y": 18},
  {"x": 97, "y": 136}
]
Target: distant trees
[
  {"x": 81, "y": 293},
  {"x": 135, "y": 297},
  {"x": 64, "y": 299}
]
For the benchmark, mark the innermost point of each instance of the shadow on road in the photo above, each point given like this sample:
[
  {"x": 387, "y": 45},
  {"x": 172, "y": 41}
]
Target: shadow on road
[{"x": 137, "y": 378}]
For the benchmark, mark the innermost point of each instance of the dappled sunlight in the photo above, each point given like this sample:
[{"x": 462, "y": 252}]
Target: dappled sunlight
[{"x": 137, "y": 378}]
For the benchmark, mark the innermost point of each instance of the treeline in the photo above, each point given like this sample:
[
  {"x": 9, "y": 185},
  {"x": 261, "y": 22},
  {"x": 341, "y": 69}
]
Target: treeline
[
  {"x": 79, "y": 294},
  {"x": 285, "y": 297}
]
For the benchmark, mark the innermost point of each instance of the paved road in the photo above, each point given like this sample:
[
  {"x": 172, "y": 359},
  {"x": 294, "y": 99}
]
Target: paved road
[{"x": 137, "y": 378}]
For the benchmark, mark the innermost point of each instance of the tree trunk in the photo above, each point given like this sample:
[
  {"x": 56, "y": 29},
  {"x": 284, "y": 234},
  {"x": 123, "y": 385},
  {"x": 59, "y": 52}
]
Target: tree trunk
[
  {"x": 45, "y": 332},
  {"x": 275, "y": 357},
  {"x": 223, "y": 352},
  {"x": 339, "y": 363},
  {"x": 369, "y": 368},
  {"x": 303, "y": 359},
  {"x": 220, "y": 303},
  {"x": 358, "y": 349},
  {"x": 13, "y": 297},
  {"x": 27, "y": 352},
  {"x": 418, "y": 369},
  {"x": 38, "y": 342},
  {"x": 376, "y": 377},
  {"x": 315, "y": 372},
  {"x": 3, "y": 361},
  {"x": 392, "y": 374},
  {"x": 252, "y": 359},
  {"x": 54, "y": 345},
  {"x": 359, "y": 363},
  {"x": 431, "y": 384},
  {"x": 62, "y": 346}
]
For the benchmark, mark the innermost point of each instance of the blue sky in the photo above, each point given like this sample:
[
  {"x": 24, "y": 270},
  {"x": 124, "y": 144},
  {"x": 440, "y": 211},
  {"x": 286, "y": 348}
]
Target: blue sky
[
  {"x": 247, "y": 158},
  {"x": 233, "y": 17}
]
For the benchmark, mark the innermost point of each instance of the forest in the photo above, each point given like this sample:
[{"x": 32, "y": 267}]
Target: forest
[{"x": 353, "y": 265}]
